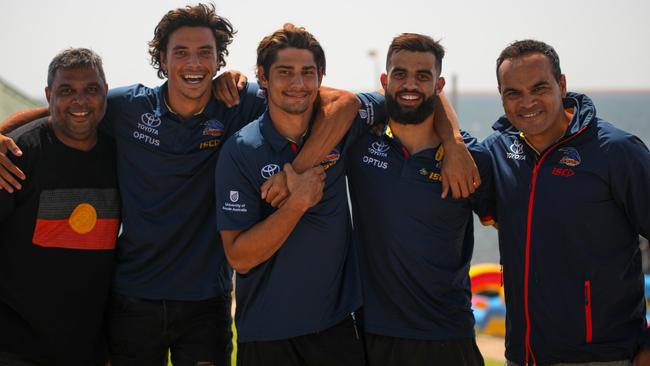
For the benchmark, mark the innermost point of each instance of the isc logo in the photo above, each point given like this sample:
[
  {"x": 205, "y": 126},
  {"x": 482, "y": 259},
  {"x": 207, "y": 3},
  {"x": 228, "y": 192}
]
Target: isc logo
[
  {"x": 563, "y": 172},
  {"x": 212, "y": 143}
]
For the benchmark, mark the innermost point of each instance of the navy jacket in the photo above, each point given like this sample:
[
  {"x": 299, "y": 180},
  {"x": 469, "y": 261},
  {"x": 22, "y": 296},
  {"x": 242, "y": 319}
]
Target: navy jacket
[{"x": 569, "y": 219}]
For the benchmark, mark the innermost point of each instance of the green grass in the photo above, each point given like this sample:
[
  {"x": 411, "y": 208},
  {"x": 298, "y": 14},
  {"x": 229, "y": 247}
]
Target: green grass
[
  {"x": 489, "y": 362},
  {"x": 233, "y": 356}
]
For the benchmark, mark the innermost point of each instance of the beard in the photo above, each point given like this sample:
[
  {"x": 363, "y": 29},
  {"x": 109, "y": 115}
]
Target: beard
[{"x": 410, "y": 117}]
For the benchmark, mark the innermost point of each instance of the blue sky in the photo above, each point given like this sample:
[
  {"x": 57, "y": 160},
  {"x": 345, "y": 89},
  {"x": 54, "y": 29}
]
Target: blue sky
[{"x": 602, "y": 44}]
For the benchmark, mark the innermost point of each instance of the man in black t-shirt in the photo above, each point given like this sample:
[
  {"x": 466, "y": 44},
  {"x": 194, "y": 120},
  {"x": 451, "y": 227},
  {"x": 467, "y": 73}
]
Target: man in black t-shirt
[{"x": 57, "y": 234}]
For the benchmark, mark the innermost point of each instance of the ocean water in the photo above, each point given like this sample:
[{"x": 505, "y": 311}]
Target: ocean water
[{"x": 477, "y": 113}]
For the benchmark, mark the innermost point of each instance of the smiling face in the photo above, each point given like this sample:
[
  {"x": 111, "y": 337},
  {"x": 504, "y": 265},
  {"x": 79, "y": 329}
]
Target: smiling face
[
  {"x": 532, "y": 98},
  {"x": 190, "y": 61},
  {"x": 292, "y": 82},
  {"x": 77, "y": 99},
  {"x": 411, "y": 85}
]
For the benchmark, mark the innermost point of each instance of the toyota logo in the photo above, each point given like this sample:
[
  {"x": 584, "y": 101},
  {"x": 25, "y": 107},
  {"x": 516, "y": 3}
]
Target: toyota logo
[
  {"x": 380, "y": 147},
  {"x": 517, "y": 147},
  {"x": 150, "y": 120},
  {"x": 270, "y": 170}
]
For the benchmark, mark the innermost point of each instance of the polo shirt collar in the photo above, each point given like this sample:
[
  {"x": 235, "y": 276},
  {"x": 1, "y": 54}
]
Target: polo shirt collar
[
  {"x": 434, "y": 153},
  {"x": 163, "y": 108},
  {"x": 274, "y": 138}
]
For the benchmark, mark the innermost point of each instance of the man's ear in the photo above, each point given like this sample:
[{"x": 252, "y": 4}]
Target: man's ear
[
  {"x": 47, "y": 93},
  {"x": 261, "y": 77},
  {"x": 384, "y": 80},
  {"x": 440, "y": 84},
  {"x": 563, "y": 85}
]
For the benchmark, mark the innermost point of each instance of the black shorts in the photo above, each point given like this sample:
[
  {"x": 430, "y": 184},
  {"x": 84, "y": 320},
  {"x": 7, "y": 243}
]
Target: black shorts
[
  {"x": 391, "y": 351},
  {"x": 142, "y": 332},
  {"x": 8, "y": 359},
  {"x": 340, "y": 345}
]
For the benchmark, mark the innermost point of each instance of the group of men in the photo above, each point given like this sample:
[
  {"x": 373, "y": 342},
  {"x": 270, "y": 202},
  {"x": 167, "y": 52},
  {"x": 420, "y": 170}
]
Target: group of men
[{"x": 568, "y": 191}]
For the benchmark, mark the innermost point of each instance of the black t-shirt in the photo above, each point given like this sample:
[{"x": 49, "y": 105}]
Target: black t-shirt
[{"x": 57, "y": 240}]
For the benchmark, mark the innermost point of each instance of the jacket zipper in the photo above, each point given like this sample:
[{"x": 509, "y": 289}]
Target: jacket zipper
[
  {"x": 588, "y": 321},
  {"x": 529, "y": 222},
  {"x": 354, "y": 325}
]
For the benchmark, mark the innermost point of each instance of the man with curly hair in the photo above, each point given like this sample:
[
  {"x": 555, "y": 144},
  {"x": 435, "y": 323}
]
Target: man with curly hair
[{"x": 172, "y": 283}]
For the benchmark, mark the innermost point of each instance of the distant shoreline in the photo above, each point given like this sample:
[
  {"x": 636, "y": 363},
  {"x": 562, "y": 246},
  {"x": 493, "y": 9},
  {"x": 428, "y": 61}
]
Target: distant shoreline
[
  {"x": 580, "y": 90},
  {"x": 471, "y": 93}
]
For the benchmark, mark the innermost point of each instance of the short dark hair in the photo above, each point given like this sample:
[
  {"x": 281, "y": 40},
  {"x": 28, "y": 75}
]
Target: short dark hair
[
  {"x": 526, "y": 47},
  {"x": 201, "y": 15},
  {"x": 72, "y": 58},
  {"x": 289, "y": 36},
  {"x": 416, "y": 43}
]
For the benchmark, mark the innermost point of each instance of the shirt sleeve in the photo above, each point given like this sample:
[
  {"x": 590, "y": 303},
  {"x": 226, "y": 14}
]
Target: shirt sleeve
[
  {"x": 484, "y": 199},
  {"x": 237, "y": 193},
  {"x": 630, "y": 174},
  {"x": 114, "y": 103},
  {"x": 252, "y": 103},
  {"x": 7, "y": 200},
  {"x": 630, "y": 167},
  {"x": 371, "y": 113},
  {"x": 6, "y": 204}
]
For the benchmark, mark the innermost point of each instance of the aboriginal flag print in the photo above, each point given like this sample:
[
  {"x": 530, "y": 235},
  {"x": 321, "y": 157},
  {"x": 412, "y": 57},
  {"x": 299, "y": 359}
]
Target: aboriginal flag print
[{"x": 78, "y": 219}]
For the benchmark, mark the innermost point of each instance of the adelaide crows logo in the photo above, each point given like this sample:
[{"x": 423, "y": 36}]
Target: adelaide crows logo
[
  {"x": 213, "y": 128},
  {"x": 571, "y": 156},
  {"x": 330, "y": 159}
]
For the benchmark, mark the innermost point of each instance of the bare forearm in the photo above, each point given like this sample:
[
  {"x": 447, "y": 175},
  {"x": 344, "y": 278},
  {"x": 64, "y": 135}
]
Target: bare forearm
[
  {"x": 21, "y": 118},
  {"x": 251, "y": 247},
  {"x": 333, "y": 120},
  {"x": 459, "y": 172},
  {"x": 446, "y": 121}
]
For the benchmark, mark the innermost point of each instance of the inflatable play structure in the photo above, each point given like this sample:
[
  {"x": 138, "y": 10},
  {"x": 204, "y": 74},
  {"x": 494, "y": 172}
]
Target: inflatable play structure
[{"x": 488, "y": 299}]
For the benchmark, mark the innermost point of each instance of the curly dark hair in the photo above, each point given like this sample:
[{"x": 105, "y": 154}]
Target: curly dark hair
[
  {"x": 201, "y": 15},
  {"x": 526, "y": 47}
]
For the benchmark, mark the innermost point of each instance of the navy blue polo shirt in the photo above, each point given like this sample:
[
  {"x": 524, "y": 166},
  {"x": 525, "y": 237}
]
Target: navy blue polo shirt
[
  {"x": 311, "y": 282},
  {"x": 415, "y": 247},
  {"x": 169, "y": 247}
]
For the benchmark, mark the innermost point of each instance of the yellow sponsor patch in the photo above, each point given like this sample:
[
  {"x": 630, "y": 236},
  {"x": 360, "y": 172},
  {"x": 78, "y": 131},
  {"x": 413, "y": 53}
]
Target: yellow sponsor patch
[{"x": 209, "y": 144}]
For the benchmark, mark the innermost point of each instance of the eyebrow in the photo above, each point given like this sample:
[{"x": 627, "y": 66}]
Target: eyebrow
[
  {"x": 180, "y": 46},
  {"x": 288, "y": 67},
  {"x": 421, "y": 71},
  {"x": 537, "y": 84}
]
